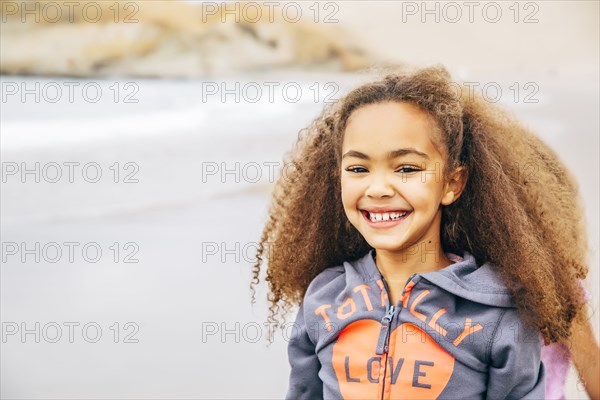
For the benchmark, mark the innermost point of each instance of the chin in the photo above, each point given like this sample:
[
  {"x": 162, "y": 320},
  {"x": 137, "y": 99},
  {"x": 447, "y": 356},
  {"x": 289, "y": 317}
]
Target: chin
[{"x": 386, "y": 245}]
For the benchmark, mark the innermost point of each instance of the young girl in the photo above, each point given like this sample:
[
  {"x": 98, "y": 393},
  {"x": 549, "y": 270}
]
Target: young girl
[{"x": 432, "y": 243}]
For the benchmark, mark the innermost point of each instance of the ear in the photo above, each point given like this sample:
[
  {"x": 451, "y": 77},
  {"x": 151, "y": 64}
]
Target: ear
[{"x": 454, "y": 186}]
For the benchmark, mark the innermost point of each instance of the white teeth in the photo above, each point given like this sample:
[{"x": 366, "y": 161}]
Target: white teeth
[{"x": 393, "y": 216}]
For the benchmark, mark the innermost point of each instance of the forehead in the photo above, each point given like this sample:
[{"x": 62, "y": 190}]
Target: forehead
[{"x": 381, "y": 127}]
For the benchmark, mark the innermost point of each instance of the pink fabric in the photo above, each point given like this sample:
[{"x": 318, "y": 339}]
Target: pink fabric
[{"x": 556, "y": 358}]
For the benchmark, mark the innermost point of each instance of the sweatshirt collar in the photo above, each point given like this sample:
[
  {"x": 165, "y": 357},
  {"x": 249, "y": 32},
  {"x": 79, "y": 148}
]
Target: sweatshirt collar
[{"x": 478, "y": 283}]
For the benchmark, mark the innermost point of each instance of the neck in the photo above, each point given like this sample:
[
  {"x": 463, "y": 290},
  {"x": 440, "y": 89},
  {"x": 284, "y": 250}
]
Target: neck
[{"x": 397, "y": 266}]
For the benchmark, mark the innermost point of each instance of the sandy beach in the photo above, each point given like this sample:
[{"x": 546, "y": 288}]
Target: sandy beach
[{"x": 187, "y": 297}]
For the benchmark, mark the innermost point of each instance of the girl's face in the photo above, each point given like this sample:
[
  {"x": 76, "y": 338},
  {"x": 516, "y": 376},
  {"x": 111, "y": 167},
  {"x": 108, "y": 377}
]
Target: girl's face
[{"x": 391, "y": 177}]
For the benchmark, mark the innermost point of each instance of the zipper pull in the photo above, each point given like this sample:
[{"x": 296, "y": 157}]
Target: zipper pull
[{"x": 384, "y": 333}]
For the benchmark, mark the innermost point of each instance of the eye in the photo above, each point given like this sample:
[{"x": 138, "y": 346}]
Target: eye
[
  {"x": 356, "y": 170},
  {"x": 407, "y": 169}
]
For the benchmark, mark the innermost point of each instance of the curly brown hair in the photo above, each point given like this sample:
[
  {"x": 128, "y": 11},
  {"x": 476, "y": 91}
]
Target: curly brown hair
[{"x": 520, "y": 208}]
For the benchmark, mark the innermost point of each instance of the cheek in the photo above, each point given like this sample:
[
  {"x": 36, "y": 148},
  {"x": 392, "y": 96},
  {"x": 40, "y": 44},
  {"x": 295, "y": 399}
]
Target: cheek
[
  {"x": 345, "y": 191},
  {"x": 426, "y": 196},
  {"x": 349, "y": 193},
  {"x": 414, "y": 192}
]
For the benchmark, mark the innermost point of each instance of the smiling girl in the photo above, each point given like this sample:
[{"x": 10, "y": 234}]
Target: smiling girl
[
  {"x": 393, "y": 197},
  {"x": 432, "y": 243}
]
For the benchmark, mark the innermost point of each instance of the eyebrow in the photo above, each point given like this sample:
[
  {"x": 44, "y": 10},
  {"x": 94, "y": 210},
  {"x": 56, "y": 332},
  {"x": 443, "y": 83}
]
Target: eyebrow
[{"x": 392, "y": 154}]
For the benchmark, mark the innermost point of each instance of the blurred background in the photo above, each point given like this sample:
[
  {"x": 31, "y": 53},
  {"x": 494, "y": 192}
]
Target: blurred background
[{"x": 140, "y": 142}]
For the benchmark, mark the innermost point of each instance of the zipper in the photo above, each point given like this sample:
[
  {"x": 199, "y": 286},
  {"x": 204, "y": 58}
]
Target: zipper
[
  {"x": 386, "y": 321},
  {"x": 384, "y": 333},
  {"x": 383, "y": 342}
]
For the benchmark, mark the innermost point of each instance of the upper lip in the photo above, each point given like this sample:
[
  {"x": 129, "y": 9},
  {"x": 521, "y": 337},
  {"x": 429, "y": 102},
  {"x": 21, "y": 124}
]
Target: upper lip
[{"x": 383, "y": 210}]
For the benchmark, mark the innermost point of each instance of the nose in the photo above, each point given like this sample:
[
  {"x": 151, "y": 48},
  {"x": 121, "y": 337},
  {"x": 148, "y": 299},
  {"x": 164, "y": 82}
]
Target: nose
[{"x": 379, "y": 187}]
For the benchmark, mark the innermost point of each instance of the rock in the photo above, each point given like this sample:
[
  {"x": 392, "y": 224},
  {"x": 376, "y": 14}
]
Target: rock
[{"x": 161, "y": 38}]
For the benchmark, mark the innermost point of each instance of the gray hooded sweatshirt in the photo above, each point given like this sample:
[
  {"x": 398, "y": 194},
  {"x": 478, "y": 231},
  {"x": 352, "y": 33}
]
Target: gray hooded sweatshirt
[{"x": 455, "y": 334}]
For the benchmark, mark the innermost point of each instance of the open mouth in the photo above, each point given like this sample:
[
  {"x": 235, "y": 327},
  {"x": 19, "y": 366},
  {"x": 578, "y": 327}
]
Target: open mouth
[{"x": 378, "y": 217}]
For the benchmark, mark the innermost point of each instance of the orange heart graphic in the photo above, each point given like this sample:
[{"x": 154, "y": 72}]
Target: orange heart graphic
[{"x": 417, "y": 367}]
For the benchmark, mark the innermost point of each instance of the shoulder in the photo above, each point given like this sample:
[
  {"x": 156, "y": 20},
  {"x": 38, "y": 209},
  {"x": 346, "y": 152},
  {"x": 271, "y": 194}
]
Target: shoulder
[
  {"x": 332, "y": 282},
  {"x": 514, "y": 335},
  {"x": 331, "y": 275},
  {"x": 349, "y": 273}
]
